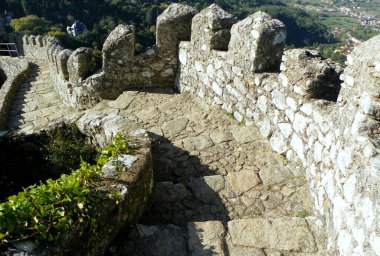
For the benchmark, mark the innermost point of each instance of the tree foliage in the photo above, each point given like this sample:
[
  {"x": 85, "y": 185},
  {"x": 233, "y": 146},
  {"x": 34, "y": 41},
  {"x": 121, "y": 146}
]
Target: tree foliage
[
  {"x": 31, "y": 24},
  {"x": 102, "y": 16}
]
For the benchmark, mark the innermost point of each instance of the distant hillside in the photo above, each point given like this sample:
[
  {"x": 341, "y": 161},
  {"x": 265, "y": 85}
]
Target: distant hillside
[{"x": 101, "y": 16}]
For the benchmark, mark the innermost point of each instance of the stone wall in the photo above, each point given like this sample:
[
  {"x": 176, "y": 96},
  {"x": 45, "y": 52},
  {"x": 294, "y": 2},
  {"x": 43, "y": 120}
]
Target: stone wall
[
  {"x": 73, "y": 74},
  {"x": 15, "y": 71},
  {"x": 330, "y": 129}
]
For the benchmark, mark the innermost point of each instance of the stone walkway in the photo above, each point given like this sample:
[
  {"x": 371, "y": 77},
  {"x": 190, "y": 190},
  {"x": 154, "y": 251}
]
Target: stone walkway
[
  {"x": 214, "y": 177},
  {"x": 219, "y": 188},
  {"x": 36, "y": 102}
]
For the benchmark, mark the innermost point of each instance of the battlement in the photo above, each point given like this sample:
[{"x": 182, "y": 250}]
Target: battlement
[{"x": 211, "y": 30}]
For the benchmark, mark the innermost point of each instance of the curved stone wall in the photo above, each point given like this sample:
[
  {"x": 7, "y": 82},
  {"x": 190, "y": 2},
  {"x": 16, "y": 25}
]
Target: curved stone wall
[
  {"x": 113, "y": 214},
  {"x": 16, "y": 71}
]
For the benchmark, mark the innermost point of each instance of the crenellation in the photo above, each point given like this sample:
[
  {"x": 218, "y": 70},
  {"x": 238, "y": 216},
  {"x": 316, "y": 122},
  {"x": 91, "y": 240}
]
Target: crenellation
[
  {"x": 258, "y": 41},
  {"x": 211, "y": 29},
  {"x": 39, "y": 41},
  {"x": 119, "y": 51},
  {"x": 174, "y": 26},
  {"x": 32, "y": 40},
  {"x": 80, "y": 65},
  {"x": 62, "y": 59},
  {"x": 55, "y": 53},
  {"x": 25, "y": 40}
]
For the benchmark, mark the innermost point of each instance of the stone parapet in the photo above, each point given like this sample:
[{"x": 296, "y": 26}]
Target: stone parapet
[
  {"x": 15, "y": 71},
  {"x": 331, "y": 133},
  {"x": 81, "y": 87}
]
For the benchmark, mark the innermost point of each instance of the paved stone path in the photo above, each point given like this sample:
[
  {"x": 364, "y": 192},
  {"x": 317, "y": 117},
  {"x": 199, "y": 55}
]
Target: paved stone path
[
  {"x": 36, "y": 102},
  {"x": 219, "y": 188}
]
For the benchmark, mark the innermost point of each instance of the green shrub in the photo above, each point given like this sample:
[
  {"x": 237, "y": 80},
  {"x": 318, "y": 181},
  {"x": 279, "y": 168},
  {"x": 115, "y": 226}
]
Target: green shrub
[
  {"x": 66, "y": 148},
  {"x": 46, "y": 211}
]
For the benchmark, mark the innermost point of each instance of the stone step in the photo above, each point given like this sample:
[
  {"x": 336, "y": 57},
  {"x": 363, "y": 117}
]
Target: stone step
[
  {"x": 233, "y": 196},
  {"x": 152, "y": 241},
  {"x": 240, "y": 237}
]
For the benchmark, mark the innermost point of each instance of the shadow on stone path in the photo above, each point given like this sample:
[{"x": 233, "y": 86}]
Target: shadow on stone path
[
  {"x": 179, "y": 194},
  {"x": 209, "y": 170}
]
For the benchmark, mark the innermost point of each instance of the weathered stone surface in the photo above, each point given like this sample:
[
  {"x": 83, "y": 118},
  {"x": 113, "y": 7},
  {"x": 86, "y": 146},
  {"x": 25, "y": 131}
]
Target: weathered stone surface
[
  {"x": 154, "y": 240},
  {"x": 211, "y": 28},
  {"x": 12, "y": 73},
  {"x": 173, "y": 26},
  {"x": 219, "y": 137},
  {"x": 123, "y": 162},
  {"x": 315, "y": 77},
  {"x": 62, "y": 59},
  {"x": 271, "y": 176},
  {"x": 169, "y": 192},
  {"x": 243, "y": 181},
  {"x": 244, "y": 134},
  {"x": 176, "y": 126},
  {"x": 268, "y": 36},
  {"x": 80, "y": 65},
  {"x": 235, "y": 250},
  {"x": 291, "y": 234},
  {"x": 122, "y": 102},
  {"x": 206, "y": 189},
  {"x": 206, "y": 238},
  {"x": 118, "y": 50}
]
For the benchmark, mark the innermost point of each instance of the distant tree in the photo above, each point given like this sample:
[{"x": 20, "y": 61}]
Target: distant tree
[{"x": 31, "y": 24}]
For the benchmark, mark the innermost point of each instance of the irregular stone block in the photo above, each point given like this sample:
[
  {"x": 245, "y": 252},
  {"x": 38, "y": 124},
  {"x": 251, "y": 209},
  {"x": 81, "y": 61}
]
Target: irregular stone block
[
  {"x": 62, "y": 59},
  {"x": 80, "y": 65},
  {"x": 211, "y": 28},
  {"x": 314, "y": 76},
  {"x": 173, "y": 26},
  {"x": 25, "y": 40},
  {"x": 39, "y": 41},
  {"x": 243, "y": 181},
  {"x": 274, "y": 175},
  {"x": 257, "y": 42},
  {"x": 174, "y": 127},
  {"x": 245, "y": 251},
  {"x": 206, "y": 238},
  {"x": 54, "y": 55},
  {"x": 285, "y": 234},
  {"x": 154, "y": 240},
  {"x": 32, "y": 40},
  {"x": 118, "y": 50}
]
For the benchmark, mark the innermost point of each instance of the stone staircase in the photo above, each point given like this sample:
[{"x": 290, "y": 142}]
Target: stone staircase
[{"x": 36, "y": 103}]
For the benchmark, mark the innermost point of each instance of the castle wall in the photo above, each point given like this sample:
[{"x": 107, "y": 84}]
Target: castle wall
[
  {"x": 336, "y": 143},
  {"x": 80, "y": 86},
  {"x": 296, "y": 99}
]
